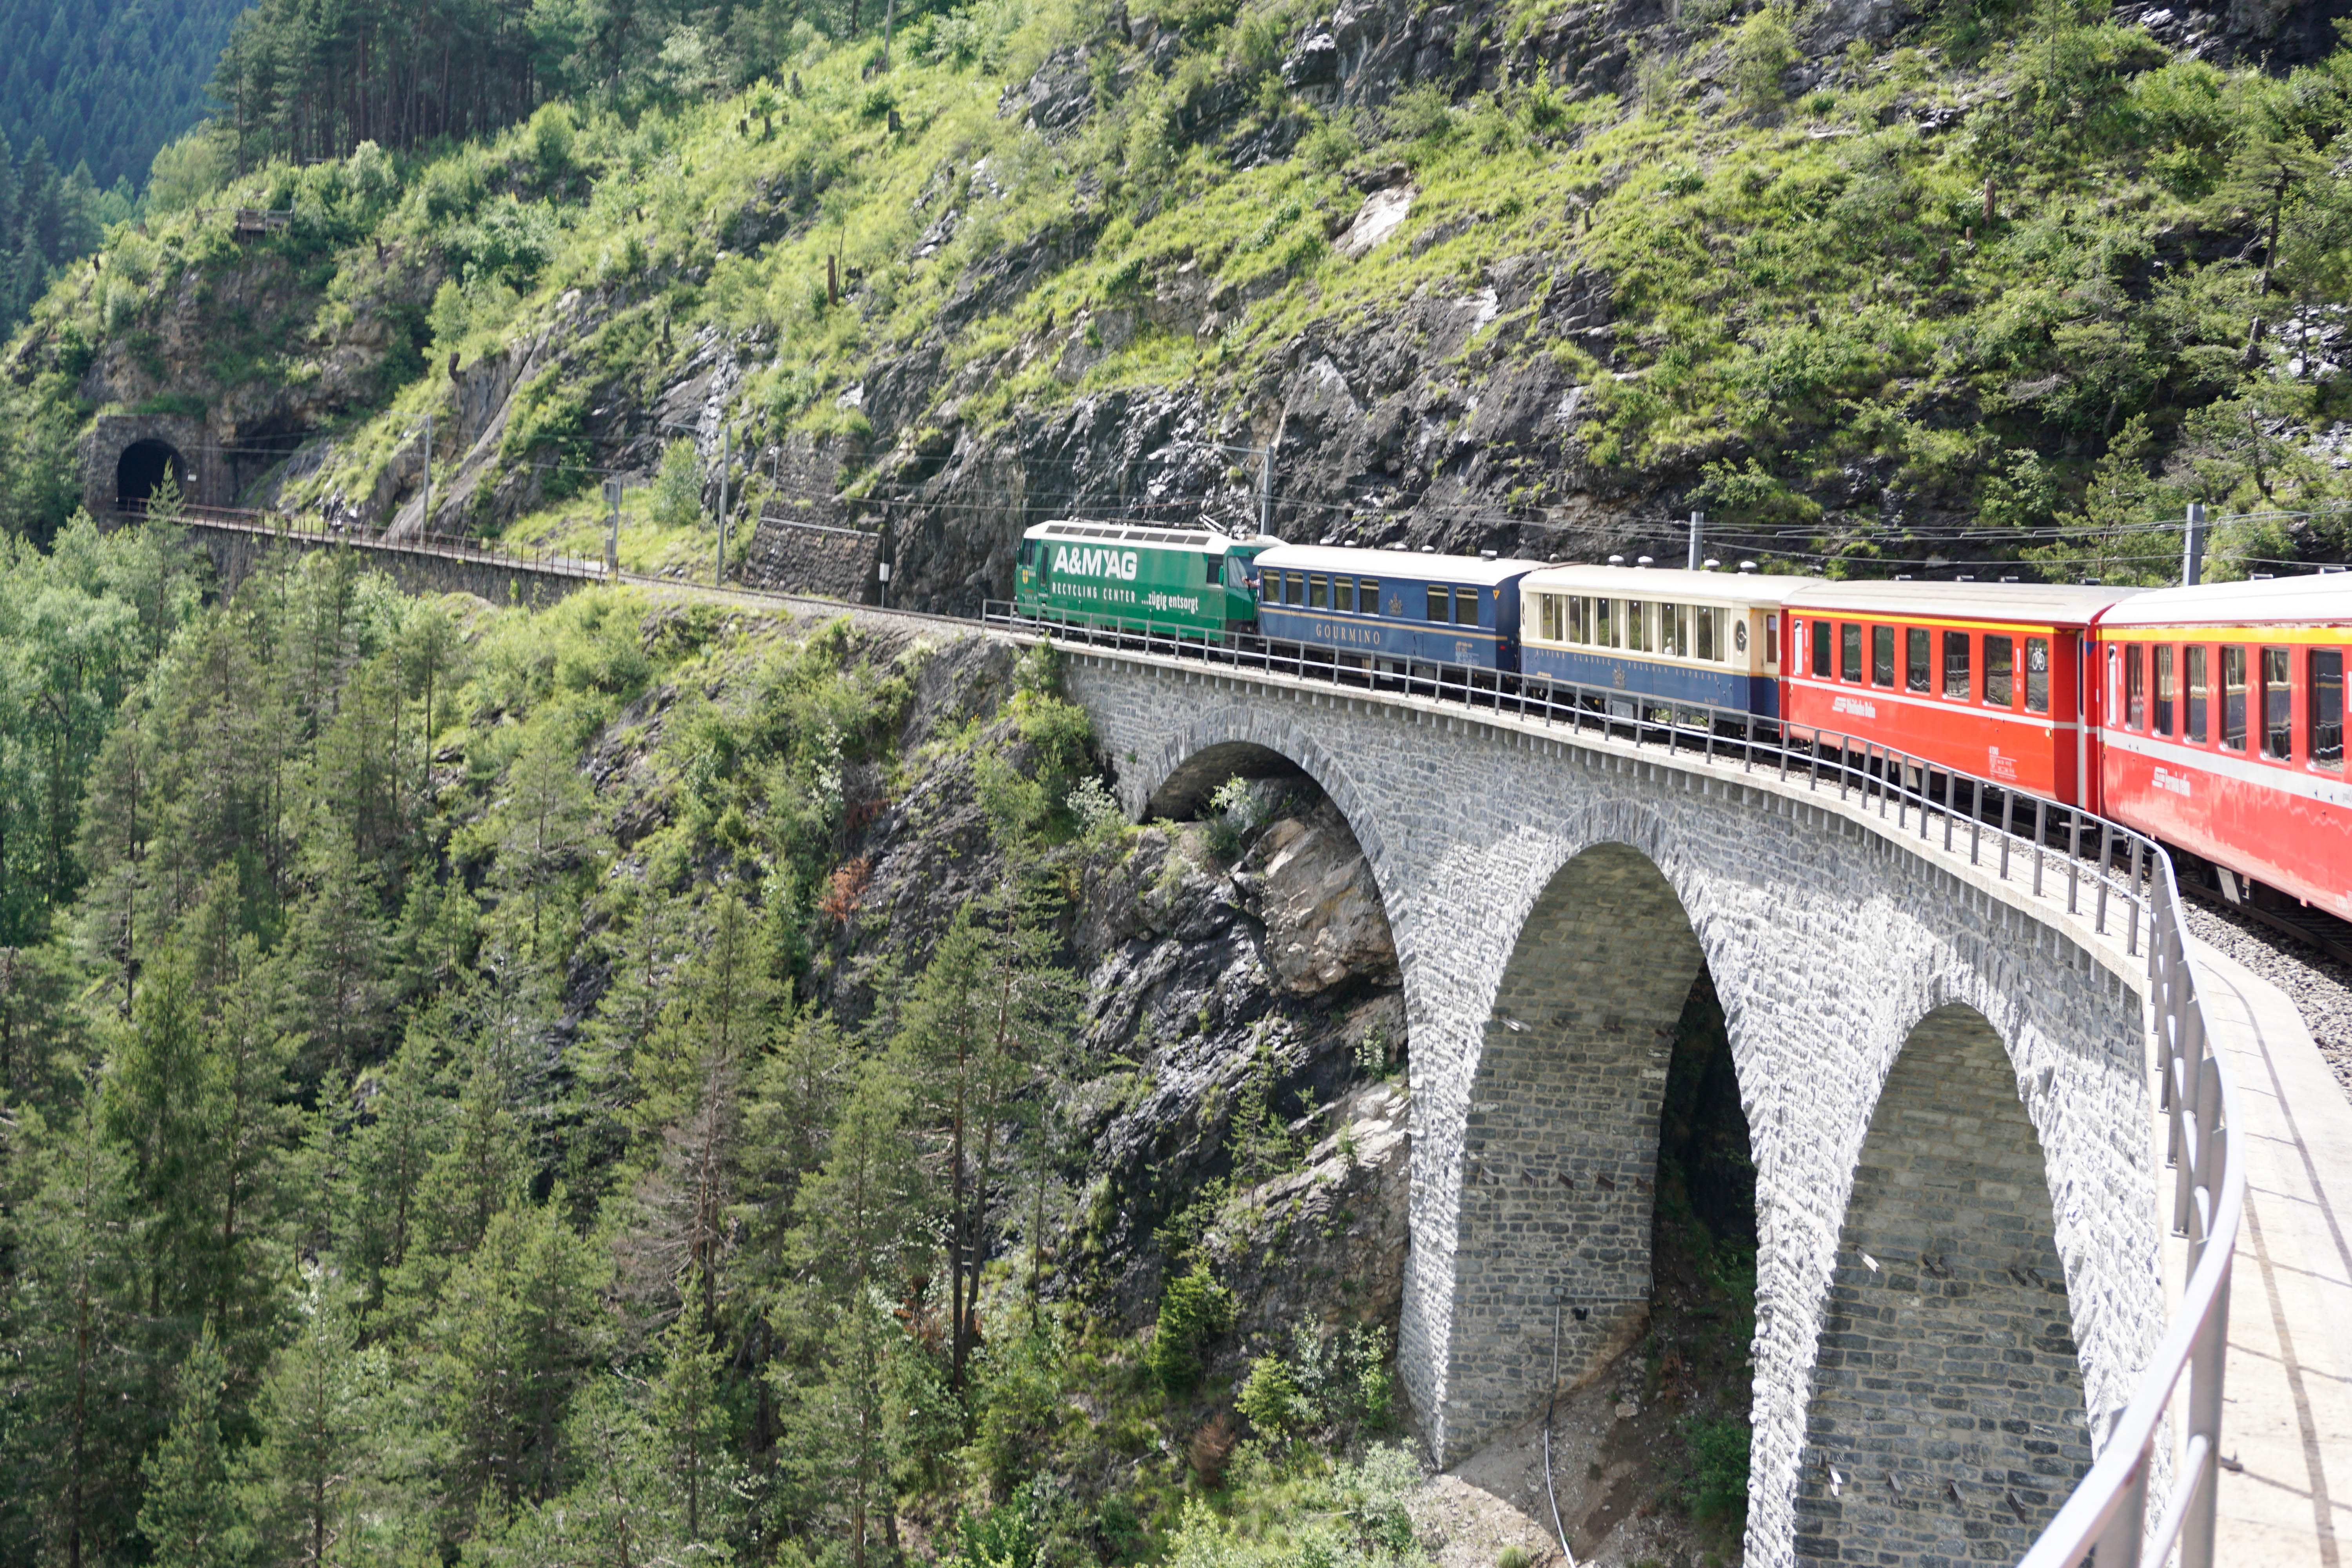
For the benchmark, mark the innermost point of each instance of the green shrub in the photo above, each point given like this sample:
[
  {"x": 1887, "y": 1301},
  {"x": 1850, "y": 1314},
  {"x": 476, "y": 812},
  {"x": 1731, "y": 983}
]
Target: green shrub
[
  {"x": 1194, "y": 1310},
  {"x": 678, "y": 491},
  {"x": 1271, "y": 1401},
  {"x": 1716, "y": 1487}
]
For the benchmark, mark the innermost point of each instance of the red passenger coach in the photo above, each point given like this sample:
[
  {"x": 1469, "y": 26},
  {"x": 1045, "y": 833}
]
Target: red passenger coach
[
  {"x": 1982, "y": 678},
  {"x": 2224, "y": 731}
]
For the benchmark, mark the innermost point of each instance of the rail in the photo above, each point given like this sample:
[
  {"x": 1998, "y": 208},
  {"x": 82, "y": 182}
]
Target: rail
[
  {"x": 446, "y": 546},
  {"x": 2122, "y": 882}
]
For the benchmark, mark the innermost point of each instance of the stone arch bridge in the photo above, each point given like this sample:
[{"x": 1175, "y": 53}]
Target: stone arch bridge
[{"x": 1944, "y": 1078}]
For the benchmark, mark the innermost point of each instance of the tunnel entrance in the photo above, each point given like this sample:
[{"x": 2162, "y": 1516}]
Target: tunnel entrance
[{"x": 142, "y": 470}]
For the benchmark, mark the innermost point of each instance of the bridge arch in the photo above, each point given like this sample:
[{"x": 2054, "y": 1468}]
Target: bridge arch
[
  {"x": 1946, "y": 1415},
  {"x": 1560, "y": 1139},
  {"x": 142, "y": 470}
]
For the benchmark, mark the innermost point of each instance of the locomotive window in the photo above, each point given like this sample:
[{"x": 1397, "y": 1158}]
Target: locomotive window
[
  {"x": 1915, "y": 663},
  {"x": 2278, "y": 706},
  {"x": 2135, "y": 688},
  {"x": 1465, "y": 607},
  {"x": 2326, "y": 708},
  {"x": 1881, "y": 655},
  {"x": 2164, "y": 691},
  {"x": 2037, "y": 675},
  {"x": 1318, "y": 592},
  {"x": 1956, "y": 664},
  {"x": 1708, "y": 648},
  {"x": 1028, "y": 552},
  {"x": 2000, "y": 677},
  {"x": 1441, "y": 604},
  {"x": 1822, "y": 634},
  {"x": 2195, "y": 729},
  {"x": 2233, "y": 698}
]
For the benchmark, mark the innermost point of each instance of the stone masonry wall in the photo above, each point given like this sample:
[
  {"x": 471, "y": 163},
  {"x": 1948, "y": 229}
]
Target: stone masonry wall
[
  {"x": 1561, "y": 1135},
  {"x": 1828, "y": 938},
  {"x": 1948, "y": 1359}
]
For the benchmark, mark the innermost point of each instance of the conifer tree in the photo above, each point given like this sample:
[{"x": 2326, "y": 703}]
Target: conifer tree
[{"x": 190, "y": 1514}]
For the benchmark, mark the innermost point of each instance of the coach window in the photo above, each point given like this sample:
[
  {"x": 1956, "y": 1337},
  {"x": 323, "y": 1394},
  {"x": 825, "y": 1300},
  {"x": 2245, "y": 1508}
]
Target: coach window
[
  {"x": 2195, "y": 703},
  {"x": 2165, "y": 692},
  {"x": 1368, "y": 596},
  {"x": 2233, "y": 698},
  {"x": 1465, "y": 607},
  {"x": 1343, "y": 594},
  {"x": 1318, "y": 592},
  {"x": 2135, "y": 688},
  {"x": 2037, "y": 675},
  {"x": 1441, "y": 604},
  {"x": 1881, "y": 655},
  {"x": 2325, "y": 700},
  {"x": 2000, "y": 677},
  {"x": 1823, "y": 633},
  {"x": 1771, "y": 642},
  {"x": 1297, "y": 589},
  {"x": 1956, "y": 664},
  {"x": 1604, "y": 623},
  {"x": 2278, "y": 706},
  {"x": 1709, "y": 649},
  {"x": 1918, "y": 667},
  {"x": 1850, "y": 652}
]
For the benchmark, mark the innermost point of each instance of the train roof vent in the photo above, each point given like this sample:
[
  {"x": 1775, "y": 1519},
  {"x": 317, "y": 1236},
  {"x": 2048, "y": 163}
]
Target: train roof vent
[
  {"x": 1487, "y": 555},
  {"x": 1747, "y": 566},
  {"x": 1641, "y": 561},
  {"x": 1616, "y": 561},
  {"x": 1429, "y": 550}
]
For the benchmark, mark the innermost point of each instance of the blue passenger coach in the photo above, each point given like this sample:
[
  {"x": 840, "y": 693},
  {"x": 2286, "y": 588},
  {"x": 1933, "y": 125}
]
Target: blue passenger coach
[
  {"x": 1708, "y": 637},
  {"x": 1386, "y": 608}
]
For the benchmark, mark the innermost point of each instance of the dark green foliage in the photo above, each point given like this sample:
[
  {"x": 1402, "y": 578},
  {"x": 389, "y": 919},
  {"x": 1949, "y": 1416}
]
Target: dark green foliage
[
  {"x": 1715, "y": 1488},
  {"x": 1194, "y": 1310},
  {"x": 106, "y": 83}
]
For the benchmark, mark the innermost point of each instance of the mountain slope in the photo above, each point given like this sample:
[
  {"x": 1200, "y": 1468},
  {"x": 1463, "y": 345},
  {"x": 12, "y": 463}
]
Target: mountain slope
[
  {"x": 1876, "y": 294},
  {"x": 108, "y": 82}
]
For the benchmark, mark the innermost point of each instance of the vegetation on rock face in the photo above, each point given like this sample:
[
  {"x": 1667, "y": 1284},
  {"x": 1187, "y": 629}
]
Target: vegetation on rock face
[{"x": 2018, "y": 286}]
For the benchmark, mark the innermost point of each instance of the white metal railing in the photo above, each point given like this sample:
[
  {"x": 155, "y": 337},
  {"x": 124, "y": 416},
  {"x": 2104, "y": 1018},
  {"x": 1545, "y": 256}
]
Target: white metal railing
[{"x": 2122, "y": 881}]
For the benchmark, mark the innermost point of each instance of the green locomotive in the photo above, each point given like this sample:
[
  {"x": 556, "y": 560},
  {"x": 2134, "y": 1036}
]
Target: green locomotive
[{"x": 1188, "y": 582}]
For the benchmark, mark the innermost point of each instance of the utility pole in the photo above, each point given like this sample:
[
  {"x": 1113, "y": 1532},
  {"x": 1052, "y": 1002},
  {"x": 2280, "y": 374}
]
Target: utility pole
[
  {"x": 1266, "y": 485},
  {"x": 1698, "y": 527},
  {"x": 2192, "y": 547},
  {"x": 612, "y": 531},
  {"x": 726, "y": 457},
  {"x": 427, "y": 515}
]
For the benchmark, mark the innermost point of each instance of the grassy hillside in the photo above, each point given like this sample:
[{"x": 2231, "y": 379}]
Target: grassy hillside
[{"x": 2002, "y": 287}]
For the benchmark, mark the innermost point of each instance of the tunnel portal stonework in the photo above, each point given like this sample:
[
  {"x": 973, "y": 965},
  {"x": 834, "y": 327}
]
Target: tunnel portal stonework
[{"x": 1552, "y": 896}]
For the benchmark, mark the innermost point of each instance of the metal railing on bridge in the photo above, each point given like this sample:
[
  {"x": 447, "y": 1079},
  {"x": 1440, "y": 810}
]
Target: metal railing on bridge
[{"x": 2120, "y": 882}]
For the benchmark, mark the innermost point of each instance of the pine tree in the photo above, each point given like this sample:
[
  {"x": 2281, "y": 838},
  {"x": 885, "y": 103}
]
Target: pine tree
[
  {"x": 304, "y": 1482},
  {"x": 856, "y": 1235},
  {"x": 190, "y": 1515},
  {"x": 73, "y": 1318}
]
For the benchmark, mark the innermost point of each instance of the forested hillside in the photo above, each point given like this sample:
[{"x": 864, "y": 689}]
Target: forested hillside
[{"x": 108, "y": 83}]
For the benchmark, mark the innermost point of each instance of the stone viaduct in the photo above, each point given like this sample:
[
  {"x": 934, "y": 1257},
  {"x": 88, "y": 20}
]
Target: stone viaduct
[{"x": 1945, "y": 1079}]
